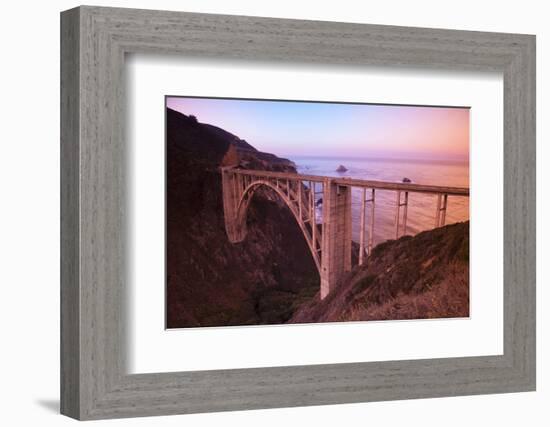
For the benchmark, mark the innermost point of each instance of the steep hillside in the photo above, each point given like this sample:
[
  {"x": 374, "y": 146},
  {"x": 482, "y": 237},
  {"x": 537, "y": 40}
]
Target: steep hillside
[
  {"x": 425, "y": 276},
  {"x": 211, "y": 282}
]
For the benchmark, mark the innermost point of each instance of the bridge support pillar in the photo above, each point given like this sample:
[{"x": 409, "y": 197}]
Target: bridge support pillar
[
  {"x": 235, "y": 226},
  {"x": 336, "y": 237}
]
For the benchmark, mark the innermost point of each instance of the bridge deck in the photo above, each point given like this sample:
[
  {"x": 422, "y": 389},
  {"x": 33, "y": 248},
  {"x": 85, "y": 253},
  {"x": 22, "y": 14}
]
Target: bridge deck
[{"x": 353, "y": 182}]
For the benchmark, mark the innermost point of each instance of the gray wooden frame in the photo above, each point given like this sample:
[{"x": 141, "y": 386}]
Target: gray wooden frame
[{"x": 94, "y": 41}]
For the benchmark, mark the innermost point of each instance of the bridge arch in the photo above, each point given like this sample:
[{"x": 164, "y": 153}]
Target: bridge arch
[
  {"x": 330, "y": 245},
  {"x": 246, "y": 198}
]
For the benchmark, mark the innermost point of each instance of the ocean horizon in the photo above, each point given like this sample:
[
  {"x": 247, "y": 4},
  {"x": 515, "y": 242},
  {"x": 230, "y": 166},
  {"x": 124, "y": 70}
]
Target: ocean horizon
[{"x": 458, "y": 161}]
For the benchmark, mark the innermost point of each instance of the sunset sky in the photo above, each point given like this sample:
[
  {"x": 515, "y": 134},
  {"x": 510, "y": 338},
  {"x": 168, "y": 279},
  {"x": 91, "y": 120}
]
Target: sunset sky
[{"x": 288, "y": 128}]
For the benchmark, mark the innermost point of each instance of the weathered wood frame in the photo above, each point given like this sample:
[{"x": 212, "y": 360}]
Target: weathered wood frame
[{"x": 94, "y": 41}]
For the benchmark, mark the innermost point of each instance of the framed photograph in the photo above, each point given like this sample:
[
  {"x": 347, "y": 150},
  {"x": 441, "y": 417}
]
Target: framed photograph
[{"x": 262, "y": 213}]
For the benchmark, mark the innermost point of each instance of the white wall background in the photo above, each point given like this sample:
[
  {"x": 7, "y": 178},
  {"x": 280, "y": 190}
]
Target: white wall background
[{"x": 29, "y": 212}]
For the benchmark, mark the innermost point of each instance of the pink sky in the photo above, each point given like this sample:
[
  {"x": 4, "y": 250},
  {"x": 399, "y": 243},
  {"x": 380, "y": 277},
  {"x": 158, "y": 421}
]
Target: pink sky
[{"x": 289, "y": 128}]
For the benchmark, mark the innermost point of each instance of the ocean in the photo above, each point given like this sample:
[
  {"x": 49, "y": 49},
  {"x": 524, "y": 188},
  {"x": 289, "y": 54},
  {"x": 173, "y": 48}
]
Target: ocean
[{"x": 421, "y": 209}]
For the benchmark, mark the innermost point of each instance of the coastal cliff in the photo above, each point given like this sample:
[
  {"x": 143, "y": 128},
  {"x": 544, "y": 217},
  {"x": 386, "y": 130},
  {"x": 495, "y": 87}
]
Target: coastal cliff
[{"x": 211, "y": 282}]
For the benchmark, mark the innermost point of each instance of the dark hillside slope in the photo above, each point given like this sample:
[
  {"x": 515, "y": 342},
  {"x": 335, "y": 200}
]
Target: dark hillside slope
[
  {"x": 420, "y": 277},
  {"x": 211, "y": 282}
]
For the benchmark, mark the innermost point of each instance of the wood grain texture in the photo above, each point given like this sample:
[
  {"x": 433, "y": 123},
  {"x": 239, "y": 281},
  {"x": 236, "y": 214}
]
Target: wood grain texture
[
  {"x": 70, "y": 314},
  {"x": 94, "y": 380}
]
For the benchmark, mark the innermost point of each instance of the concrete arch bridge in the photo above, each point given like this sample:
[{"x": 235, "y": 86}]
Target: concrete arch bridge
[{"x": 328, "y": 238}]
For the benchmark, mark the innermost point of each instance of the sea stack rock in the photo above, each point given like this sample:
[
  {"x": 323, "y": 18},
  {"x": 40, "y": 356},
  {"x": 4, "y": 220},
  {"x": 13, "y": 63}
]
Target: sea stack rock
[
  {"x": 406, "y": 179},
  {"x": 341, "y": 168}
]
